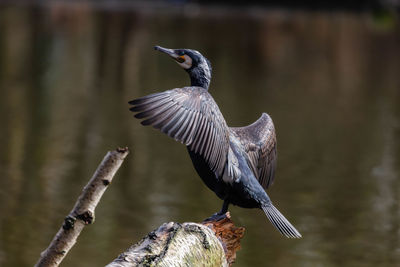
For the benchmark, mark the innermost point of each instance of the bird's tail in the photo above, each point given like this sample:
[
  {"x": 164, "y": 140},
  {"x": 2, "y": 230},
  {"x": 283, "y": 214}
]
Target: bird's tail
[{"x": 280, "y": 222}]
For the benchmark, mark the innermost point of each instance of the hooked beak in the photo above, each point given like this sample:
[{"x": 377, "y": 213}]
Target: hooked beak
[{"x": 171, "y": 53}]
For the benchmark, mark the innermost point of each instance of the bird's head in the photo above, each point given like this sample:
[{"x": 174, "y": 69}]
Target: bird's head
[{"x": 198, "y": 67}]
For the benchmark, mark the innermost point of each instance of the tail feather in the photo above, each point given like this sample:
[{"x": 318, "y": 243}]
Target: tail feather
[{"x": 280, "y": 222}]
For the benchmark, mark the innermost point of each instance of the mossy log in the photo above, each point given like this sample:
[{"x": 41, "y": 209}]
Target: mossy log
[{"x": 210, "y": 243}]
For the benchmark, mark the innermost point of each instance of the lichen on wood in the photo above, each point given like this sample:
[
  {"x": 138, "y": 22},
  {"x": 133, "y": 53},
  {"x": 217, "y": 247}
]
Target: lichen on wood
[
  {"x": 211, "y": 243},
  {"x": 229, "y": 235}
]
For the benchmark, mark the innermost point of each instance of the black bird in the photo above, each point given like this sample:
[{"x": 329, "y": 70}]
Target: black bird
[{"x": 237, "y": 163}]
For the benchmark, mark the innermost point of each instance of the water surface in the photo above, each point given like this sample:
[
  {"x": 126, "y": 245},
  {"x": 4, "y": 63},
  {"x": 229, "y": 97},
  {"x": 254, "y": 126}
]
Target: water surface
[{"x": 330, "y": 81}]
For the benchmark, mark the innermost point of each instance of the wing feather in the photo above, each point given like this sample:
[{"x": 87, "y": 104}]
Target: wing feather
[
  {"x": 190, "y": 116},
  {"x": 184, "y": 131},
  {"x": 211, "y": 142},
  {"x": 259, "y": 141}
]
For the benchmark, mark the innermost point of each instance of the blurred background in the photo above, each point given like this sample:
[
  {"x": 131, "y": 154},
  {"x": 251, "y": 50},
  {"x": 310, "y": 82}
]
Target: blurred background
[{"x": 328, "y": 74}]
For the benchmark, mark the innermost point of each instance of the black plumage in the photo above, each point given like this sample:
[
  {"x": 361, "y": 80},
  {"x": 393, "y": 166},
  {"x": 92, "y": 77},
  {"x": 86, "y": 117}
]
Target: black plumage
[{"x": 237, "y": 163}]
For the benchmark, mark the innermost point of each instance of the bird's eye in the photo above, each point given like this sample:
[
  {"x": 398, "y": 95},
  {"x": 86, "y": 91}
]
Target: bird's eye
[
  {"x": 180, "y": 59},
  {"x": 181, "y": 53}
]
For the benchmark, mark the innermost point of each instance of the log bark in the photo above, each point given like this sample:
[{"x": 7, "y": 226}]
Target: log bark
[
  {"x": 210, "y": 243},
  {"x": 83, "y": 212}
]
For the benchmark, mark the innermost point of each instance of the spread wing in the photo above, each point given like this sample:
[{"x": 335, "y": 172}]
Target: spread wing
[
  {"x": 190, "y": 116},
  {"x": 259, "y": 141}
]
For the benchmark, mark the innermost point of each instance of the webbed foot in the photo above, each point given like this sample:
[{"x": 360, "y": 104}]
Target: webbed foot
[{"x": 217, "y": 217}]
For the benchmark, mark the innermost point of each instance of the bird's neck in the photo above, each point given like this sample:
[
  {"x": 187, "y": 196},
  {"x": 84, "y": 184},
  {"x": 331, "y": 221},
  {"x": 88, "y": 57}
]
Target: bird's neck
[
  {"x": 200, "y": 78},
  {"x": 202, "y": 82}
]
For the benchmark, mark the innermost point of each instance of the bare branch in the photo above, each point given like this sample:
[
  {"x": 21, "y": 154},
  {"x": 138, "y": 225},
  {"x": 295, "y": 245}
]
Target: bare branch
[{"x": 83, "y": 211}]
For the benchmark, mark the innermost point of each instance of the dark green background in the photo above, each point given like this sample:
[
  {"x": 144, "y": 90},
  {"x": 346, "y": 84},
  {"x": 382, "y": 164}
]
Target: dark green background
[{"x": 330, "y": 81}]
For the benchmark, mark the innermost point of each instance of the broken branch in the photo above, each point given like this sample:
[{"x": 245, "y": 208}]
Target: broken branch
[{"x": 83, "y": 212}]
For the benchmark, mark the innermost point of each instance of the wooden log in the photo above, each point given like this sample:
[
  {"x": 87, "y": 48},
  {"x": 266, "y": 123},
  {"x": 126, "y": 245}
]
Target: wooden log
[
  {"x": 83, "y": 212},
  {"x": 210, "y": 243}
]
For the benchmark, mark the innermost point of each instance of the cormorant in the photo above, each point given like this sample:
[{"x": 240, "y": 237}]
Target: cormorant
[{"x": 237, "y": 163}]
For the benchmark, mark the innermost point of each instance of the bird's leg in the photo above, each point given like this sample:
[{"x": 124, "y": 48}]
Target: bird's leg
[
  {"x": 224, "y": 208},
  {"x": 221, "y": 214}
]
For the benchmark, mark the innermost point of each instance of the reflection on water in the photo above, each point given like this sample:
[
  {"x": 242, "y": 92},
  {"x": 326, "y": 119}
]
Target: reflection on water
[{"x": 330, "y": 81}]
